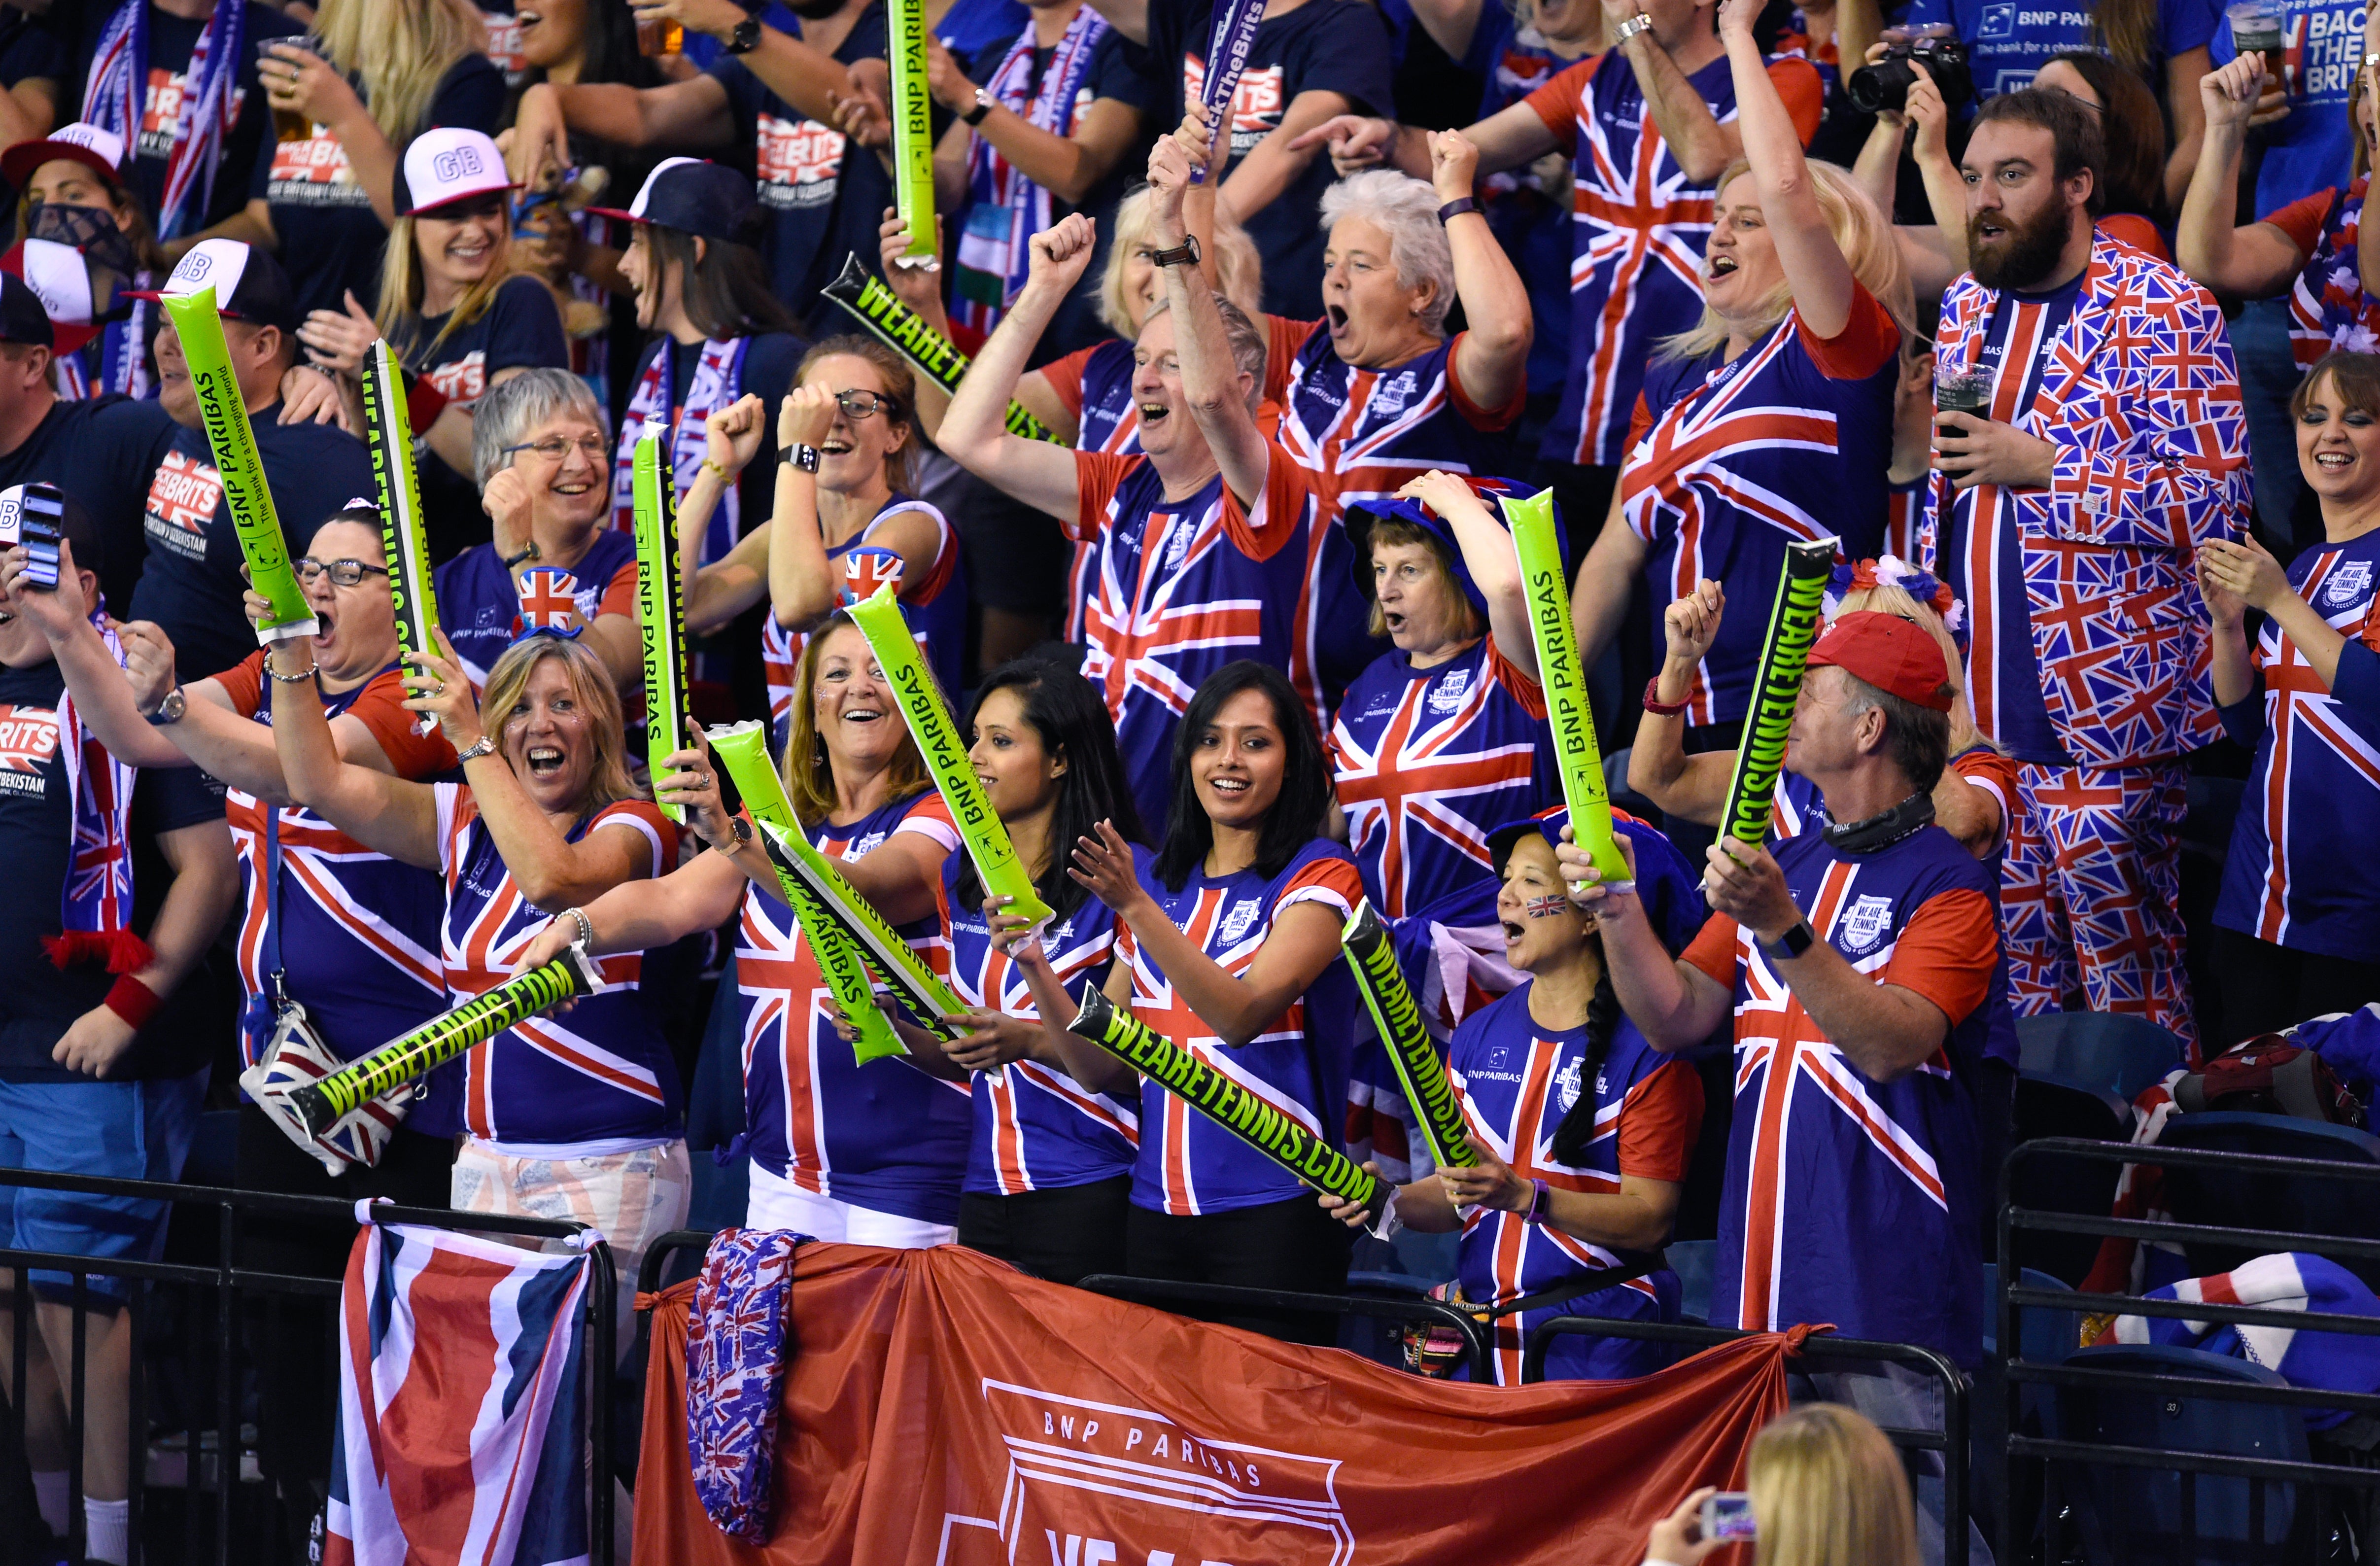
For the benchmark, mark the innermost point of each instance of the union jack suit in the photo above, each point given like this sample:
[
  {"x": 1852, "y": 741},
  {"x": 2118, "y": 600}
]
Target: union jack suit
[
  {"x": 1183, "y": 587},
  {"x": 2139, "y": 394},
  {"x": 2316, "y": 784},
  {"x": 1850, "y": 1200},
  {"x": 1363, "y": 434},
  {"x": 599, "y": 1072},
  {"x": 1640, "y": 227},
  {"x": 1516, "y": 1080},
  {"x": 885, "y": 1136}
]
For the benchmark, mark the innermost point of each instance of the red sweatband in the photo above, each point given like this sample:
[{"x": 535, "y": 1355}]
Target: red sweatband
[
  {"x": 423, "y": 402},
  {"x": 132, "y": 1001}
]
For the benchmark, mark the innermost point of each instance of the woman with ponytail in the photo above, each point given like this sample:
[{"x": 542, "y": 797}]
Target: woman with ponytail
[{"x": 1554, "y": 1065}]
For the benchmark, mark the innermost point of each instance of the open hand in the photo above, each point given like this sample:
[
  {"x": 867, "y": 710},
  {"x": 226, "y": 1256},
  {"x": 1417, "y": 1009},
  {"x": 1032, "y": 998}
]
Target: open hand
[
  {"x": 337, "y": 340},
  {"x": 1103, "y": 866},
  {"x": 440, "y": 688},
  {"x": 2245, "y": 572}
]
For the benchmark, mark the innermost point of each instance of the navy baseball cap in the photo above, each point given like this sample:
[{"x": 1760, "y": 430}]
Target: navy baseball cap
[
  {"x": 22, "y": 317},
  {"x": 694, "y": 196},
  {"x": 249, "y": 284}
]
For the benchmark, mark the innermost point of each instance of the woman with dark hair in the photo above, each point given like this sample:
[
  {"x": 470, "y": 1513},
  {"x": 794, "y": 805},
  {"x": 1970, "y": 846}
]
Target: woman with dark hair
[
  {"x": 2131, "y": 191},
  {"x": 72, "y": 190},
  {"x": 721, "y": 335},
  {"x": 1223, "y": 932},
  {"x": 1580, "y": 1134},
  {"x": 870, "y": 1154}
]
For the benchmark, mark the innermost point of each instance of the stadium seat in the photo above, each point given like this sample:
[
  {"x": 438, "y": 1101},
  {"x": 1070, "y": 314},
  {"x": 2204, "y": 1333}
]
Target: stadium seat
[
  {"x": 2127, "y": 1515},
  {"x": 2044, "y": 1107},
  {"x": 1693, "y": 1261},
  {"x": 2096, "y": 1051},
  {"x": 2237, "y": 1200}
]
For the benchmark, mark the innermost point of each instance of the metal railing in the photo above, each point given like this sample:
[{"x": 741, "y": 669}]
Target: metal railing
[
  {"x": 2050, "y": 1451},
  {"x": 219, "y": 1290}
]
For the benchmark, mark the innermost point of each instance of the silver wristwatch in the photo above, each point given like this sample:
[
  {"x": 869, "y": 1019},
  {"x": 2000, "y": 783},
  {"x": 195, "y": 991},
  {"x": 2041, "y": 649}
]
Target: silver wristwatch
[
  {"x": 170, "y": 711},
  {"x": 1638, "y": 23},
  {"x": 484, "y": 745}
]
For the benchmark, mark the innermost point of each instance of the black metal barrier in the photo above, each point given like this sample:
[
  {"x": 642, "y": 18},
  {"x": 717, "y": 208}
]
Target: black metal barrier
[
  {"x": 1951, "y": 1441},
  {"x": 2051, "y": 1452},
  {"x": 213, "y": 1295},
  {"x": 1398, "y": 1308}
]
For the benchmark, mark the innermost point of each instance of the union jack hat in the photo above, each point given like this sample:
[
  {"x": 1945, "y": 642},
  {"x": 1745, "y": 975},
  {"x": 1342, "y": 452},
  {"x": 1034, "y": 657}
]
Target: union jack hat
[
  {"x": 1360, "y": 518},
  {"x": 868, "y": 568},
  {"x": 548, "y": 601}
]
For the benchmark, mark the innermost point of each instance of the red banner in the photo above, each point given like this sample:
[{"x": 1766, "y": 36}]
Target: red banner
[{"x": 942, "y": 1409}]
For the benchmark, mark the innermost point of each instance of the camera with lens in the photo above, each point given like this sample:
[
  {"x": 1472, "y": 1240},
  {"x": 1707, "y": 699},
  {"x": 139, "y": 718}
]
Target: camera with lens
[{"x": 1883, "y": 87}]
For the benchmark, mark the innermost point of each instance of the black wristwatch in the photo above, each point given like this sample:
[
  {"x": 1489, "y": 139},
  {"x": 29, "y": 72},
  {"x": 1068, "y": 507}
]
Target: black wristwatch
[
  {"x": 804, "y": 457},
  {"x": 984, "y": 103},
  {"x": 1183, "y": 254},
  {"x": 1790, "y": 945},
  {"x": 1456, "y": 208},
  {"x": 746, "y": 37}
]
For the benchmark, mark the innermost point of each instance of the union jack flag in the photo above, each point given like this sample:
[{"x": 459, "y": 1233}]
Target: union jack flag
[
  {"x": 461, "y": 1391},
  {"x": 735, "y": 1370},
  {"x": 548, "y": 600},
  {"x": 866, "y": 568}
]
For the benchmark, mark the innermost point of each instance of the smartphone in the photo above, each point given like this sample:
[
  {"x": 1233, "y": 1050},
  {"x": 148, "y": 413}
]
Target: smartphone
[
  {"x": 1727, "y": 1518},
  {"x": 38, "y": 520}
]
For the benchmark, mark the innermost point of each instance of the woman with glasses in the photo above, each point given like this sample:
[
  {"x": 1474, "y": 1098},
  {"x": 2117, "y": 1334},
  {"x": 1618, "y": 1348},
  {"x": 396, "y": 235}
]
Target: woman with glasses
[
  {"x": 545, "y": 471},
  {"x": 843, "y": 434}
]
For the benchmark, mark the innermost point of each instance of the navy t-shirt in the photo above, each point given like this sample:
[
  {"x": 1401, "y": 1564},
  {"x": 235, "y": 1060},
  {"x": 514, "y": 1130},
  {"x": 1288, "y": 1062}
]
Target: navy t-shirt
[
  {"x": 2313, "y": 147},
  {"x": 171, "y": 39},
  {"x": 769, "y": 365},
  {"x": 2008, "y": 42},
  {"x": 331, "y": 238},
  {"x": 822, "y": 199},
  {"x": 521, "y": 327},
  {"x": 192, "y": 584},
  {"x": 1323, "y": 46},
  {"x": 104, "y": 453},
  {"x": 971, "y": 30},
  {"x": 40, "y": 1002}
]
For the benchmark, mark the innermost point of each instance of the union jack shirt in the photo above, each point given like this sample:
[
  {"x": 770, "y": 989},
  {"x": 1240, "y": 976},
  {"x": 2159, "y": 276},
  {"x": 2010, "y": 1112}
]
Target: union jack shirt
[
  {"x": 480, "y": 603},
  {"x": 2316, "y": 777},
  {"x": 1188, "y": 1165},
  {"x": 1516, "y": 1080},
  {"x": 885, "y": 1136},
  {"x": 1036, "y": 1128},
  {"x": 1731, "y": 462},
  {"x": 1639, "y": 227},
  {"x": 2141, "y": 397},
  {"x": 1848, "y": 1200},
  {"x": 360, "y": 944},
  {"x": 1363, "y": 434},
  {"x": 934, "y": 606},
  {"x": 1182, "y": 589},
  {"x": 600, "y": 1073},
  {"x": 1429, "y": 762}
]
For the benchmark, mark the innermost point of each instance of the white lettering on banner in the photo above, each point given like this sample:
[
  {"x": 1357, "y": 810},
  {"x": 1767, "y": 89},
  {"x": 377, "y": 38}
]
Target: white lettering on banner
[
  {"x": 182, "y": 501},
  {"x": 162, "y": 108},
  {"x": 799, "y": 163},
  {"x": 1257, "y": 101},
  {"x": 465, "y": 379},
  {"x": 28, "y": 737}
]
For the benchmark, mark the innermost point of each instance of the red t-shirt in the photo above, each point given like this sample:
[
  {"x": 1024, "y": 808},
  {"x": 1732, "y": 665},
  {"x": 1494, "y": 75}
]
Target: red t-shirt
[{"x": 380, "y": 707}]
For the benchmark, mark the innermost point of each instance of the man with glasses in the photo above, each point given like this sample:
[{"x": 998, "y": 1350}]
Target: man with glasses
[
  {"x": 544, "y": 467},
  {"x": 192, "y": 584}
]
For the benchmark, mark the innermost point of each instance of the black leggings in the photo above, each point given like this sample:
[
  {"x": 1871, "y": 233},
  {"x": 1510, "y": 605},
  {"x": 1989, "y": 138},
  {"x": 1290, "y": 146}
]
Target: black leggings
[
  {"x": 2268, "y": 988},
  {"x": 1287, "y": 1244},
  {"x": 1063, "y": 1235}
]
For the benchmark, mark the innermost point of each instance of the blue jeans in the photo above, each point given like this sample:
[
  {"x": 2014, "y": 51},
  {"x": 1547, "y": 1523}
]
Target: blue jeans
[
  {"x": 2268, "y": 374},
  {"x": 116, "y": 1130}
]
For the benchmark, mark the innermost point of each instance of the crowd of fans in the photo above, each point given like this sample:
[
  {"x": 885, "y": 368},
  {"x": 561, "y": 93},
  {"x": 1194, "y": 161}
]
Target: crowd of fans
[{"x": 2054, "y": 320}]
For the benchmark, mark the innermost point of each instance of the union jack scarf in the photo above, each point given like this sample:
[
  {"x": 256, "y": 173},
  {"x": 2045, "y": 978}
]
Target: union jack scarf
[
  {"x": 718, "y": 382},
  {"x": 2328, "y": 308},
  {"x": 736, "y": 1347},
  {"x": 96, "y": 915},
  {"x": 995, "y": 251},
  {"x": 115, "y": 95}
]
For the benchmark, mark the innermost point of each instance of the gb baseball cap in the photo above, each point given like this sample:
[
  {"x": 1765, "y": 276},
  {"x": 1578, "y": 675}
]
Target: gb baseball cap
[
  {"x": 694, "y": 196},
  {"x": 61, "y": 280},
  {"x": 249, "y": 285},
  {"x": 1888, "y": 653},
  {"x": 445, "y": 166},
  {"x": 102, "y": 151}
]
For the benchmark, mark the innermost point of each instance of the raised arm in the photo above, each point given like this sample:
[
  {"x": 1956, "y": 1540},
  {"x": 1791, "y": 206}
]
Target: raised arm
[
  {"x": 1814, "y": 266},
  {"x": 1703, "y": 147},
  {"x": 973, "y": 432},
  {"x": 1212, "y": 383},
  {"x": 1491, "y": 358},
  {"x": 386, "y": 814},
  {"x": 1598, "y": 595},
  {"x": 717, "y": 593},
  {"x": 1672, "y": 1002},
  {"x": 2256, "y": 261},
  {"x": 1488, "y": 553},
  {"x": 1691, "y": 787}
]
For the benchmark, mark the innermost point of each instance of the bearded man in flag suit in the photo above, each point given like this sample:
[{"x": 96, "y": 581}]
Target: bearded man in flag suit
[
  {"x": 1862, "y": 965},
  {"x": 2066, "y": 513}
]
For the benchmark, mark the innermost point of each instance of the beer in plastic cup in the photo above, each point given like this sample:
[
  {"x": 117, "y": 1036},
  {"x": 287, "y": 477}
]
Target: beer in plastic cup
[
  {"x": 1961, "y": 390},
  {"x": 661, "y": 36},
  {"x": 288, "y": 125},
  {"x": 2256, "y": 29}
]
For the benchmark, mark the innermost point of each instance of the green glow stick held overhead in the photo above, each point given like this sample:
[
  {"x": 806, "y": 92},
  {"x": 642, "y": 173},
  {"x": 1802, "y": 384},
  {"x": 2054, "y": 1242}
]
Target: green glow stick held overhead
[
  {"x": 912, "y": 129},
  {"x": 1795, "y": 620},
  {"x": 388, "y": 433},
  {"x": 661, "y": 604},
  {"x": 945, "y": 750},
  {"x": 1576, "y": 750},
  {"x": 222, "y": 412}
]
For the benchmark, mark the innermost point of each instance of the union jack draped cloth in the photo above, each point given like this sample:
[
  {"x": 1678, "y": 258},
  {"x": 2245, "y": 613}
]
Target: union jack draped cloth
[
  {"x": 2339, "y": 1361},
  {"x": 115, "y": 97},
  {"x": 2141, "y": 396},
  {"x": 95, "y": 917},
  {"x": 462, "y": 1400},
  {"x": 549, "y": 599},
  {"x": 2328, "y": 308},
  {"x": 736, "y": 1343}
]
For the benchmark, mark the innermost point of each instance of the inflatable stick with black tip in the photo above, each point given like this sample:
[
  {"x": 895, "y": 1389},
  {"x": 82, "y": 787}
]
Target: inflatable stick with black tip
[
  {"x": 1373, "y": 959},
  {"x": 937, "y": 734},
  {"x": 743, "y": 752},
  {"x": 1227, "y": 55},
  {"x": 898, "y": 327},
  {"x": 1576, "y": 750},
  {"x": 320, "y": 1105},
  {"x": 1794, "y": 622},
  {"x": 912, "y": 129},
  {"x": 222, "y": 413},
  {"x": 661, "y": 605},
  {"x": 886, "y": 955},
  {"x": 388, "y": 435},
  {"x": 1220, "y": 1100}
]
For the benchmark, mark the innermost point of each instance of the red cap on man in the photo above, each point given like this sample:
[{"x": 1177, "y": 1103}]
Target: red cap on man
[{"x": 1890, "y": 653}]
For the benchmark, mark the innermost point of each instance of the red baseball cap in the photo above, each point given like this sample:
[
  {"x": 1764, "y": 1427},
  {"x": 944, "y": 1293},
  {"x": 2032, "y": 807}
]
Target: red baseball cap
[{"x": 1889, "y": 653}]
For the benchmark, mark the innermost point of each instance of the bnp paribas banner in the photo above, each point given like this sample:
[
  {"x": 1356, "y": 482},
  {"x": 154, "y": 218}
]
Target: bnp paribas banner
[{"x": 938, "y": 1408}]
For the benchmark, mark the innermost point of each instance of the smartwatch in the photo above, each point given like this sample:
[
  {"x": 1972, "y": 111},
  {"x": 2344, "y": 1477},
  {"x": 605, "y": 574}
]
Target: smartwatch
[
  {"x": 1183, "y": 254},
  {"x": 170, "y": 711},
  {"x": 746, "y": 37},
  {"x": 1456, "y": 208},
  {"x": 1540, "y": 1203},
  {"x": 804, "y": 457},
  {"x": 983, "y": 104},
  {"x": 1790, "y": 945}
]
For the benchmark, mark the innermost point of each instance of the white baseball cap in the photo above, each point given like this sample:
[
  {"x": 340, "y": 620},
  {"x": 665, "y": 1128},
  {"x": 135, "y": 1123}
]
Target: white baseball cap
[
  {"x": 59, "y": 278},
  {"x": 449, "y": 163}
]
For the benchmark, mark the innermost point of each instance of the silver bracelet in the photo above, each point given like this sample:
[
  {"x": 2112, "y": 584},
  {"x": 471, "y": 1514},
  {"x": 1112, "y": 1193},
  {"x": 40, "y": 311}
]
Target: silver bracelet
[
  {"x": 586, "y": 941},
  {"x": 307, "y": 673}
]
